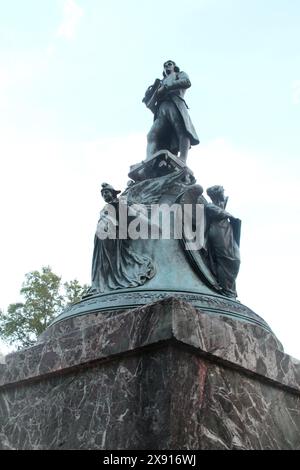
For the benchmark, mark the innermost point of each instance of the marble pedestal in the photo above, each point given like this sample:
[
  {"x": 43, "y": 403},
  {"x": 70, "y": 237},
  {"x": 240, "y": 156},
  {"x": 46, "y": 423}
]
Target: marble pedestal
[{"x": 164, "y": 376}]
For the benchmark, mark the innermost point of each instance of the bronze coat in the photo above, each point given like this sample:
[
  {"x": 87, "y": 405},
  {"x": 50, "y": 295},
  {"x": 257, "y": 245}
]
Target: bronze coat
[{"x": 175, "y": 90}]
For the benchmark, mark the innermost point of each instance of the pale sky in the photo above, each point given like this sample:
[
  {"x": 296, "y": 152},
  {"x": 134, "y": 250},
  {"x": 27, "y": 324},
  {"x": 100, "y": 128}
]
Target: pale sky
[{"x": 72, "y": 77}]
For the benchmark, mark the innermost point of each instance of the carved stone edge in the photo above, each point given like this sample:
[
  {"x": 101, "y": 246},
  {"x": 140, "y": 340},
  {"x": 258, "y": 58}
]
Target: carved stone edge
[
  {"x": 232, "y": 343},
  {"x": 125, "y": 299}
]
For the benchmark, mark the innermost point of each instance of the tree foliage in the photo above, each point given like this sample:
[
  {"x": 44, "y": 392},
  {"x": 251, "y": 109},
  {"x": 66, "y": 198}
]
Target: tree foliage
[{"x": 44, "y": 298}]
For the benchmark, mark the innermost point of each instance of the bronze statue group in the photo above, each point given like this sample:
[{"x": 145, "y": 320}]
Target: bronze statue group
[{"x": 116, "y": 263}]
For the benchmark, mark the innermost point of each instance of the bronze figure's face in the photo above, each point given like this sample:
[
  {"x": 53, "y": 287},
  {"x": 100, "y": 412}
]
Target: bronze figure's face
[
  {"x": 107, "y": 195},
  {"x": 169, "y": 67},
  {"x": 216, "y": 193}
]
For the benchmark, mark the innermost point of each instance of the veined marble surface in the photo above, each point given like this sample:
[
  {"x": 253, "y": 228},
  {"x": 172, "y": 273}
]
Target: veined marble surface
[{"x": 164, "y": 376}]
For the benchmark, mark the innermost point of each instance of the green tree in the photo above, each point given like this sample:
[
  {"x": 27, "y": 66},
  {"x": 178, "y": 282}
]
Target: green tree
[
  {"x": 44, "y": 298},
  {"x": 73, "y": 291}
]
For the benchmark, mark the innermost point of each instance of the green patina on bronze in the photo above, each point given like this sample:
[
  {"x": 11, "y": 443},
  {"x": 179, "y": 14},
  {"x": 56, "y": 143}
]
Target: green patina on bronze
[{"x": 127, "y": 273}]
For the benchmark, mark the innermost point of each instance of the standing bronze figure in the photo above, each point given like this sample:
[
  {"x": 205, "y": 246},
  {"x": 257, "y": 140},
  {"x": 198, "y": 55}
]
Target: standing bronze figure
[{"x": 172, "y": 129}]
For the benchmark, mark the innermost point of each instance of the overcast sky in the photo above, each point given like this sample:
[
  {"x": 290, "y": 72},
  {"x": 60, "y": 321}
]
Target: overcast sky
[{"x": 72, "y": 76}]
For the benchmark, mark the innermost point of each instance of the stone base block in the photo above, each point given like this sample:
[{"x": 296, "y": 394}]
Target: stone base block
[{"x": 165, "y": 376}]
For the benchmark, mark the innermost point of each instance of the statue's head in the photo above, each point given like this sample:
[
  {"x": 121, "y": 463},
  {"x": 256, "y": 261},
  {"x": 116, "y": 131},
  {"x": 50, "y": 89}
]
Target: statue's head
[
  {"x": 169, "y": 67},
  {"x": 108, "y": 192},
  {"x": 216, "y": 193}
]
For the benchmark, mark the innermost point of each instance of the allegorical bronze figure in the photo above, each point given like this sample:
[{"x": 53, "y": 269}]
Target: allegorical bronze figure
[
  {"x": 116, "y": 264},
  {"x": 223, "y": 239},
  {"x": 172, "y": 129}
]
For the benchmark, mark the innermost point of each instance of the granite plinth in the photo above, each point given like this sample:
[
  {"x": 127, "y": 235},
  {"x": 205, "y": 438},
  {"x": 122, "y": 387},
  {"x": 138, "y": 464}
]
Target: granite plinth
[{"x": 164, "y": 376}]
